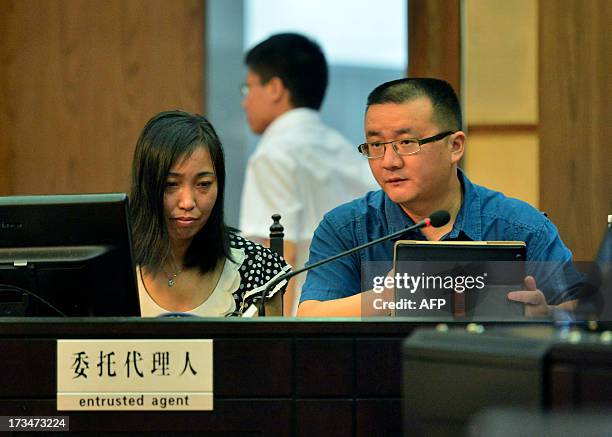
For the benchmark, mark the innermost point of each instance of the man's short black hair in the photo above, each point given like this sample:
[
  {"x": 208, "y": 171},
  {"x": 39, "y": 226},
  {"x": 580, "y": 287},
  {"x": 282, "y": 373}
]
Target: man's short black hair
[
  {"x": 446, "y": 108},
  {"x": 298, "y": 62}
]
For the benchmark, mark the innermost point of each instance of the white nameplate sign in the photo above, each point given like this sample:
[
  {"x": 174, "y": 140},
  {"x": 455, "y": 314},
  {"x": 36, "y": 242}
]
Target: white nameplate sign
[{"x": 108, "y": 375}]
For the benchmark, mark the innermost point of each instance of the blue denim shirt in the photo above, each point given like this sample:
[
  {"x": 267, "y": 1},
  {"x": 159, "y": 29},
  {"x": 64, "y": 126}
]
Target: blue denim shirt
[{"x": 485, "y": 215}]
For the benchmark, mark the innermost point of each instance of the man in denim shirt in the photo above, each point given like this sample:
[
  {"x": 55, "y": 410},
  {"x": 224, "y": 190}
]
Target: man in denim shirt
[{"x": 413, "y": 145}]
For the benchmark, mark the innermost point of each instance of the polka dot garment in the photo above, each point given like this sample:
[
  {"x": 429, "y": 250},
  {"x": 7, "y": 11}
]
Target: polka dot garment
[{"x": 259, "y": 266}]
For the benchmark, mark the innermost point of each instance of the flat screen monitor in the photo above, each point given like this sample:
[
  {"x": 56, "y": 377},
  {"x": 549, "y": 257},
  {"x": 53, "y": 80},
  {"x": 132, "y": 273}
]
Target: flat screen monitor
[{"x": 66, "y": 255}]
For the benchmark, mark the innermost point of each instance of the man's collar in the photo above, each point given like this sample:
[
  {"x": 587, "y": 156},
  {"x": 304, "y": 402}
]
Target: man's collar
[
  {"x": 290, "y": 118},
  {"x": 396, "y": 217},
  {"x": 468, "y": 223}
]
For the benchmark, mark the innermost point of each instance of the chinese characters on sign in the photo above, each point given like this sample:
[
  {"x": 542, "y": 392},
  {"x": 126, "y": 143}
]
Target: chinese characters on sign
[
  {"x": 134, "y": 375},
  {"x": 106, "y": 364}
]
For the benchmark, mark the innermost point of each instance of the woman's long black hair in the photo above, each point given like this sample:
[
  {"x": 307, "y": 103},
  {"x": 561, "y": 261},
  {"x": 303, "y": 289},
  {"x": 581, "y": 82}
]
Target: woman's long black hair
[{"x": 167, "y": 138}]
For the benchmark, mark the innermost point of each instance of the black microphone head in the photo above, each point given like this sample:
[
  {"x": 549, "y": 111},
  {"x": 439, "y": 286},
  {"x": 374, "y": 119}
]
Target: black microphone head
[{"x": 439, "y": 218}]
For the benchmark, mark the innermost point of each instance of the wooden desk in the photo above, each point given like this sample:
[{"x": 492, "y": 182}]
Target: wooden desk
[{"x": 272, "y": 376}]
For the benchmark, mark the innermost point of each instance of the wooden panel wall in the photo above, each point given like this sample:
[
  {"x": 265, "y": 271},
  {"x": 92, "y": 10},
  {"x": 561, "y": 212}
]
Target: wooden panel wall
[
  {"x": 434, "y": 40},
  {"x": 576, "y": 119},
  {"x": 80, "y": 78}
]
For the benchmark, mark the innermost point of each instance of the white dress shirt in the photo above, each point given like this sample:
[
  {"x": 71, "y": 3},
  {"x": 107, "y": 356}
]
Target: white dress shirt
[{"x": 300, "y": 169}]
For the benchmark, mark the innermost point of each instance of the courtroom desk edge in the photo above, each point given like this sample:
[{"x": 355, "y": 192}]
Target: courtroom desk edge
[{"x": 53, "y": 327}]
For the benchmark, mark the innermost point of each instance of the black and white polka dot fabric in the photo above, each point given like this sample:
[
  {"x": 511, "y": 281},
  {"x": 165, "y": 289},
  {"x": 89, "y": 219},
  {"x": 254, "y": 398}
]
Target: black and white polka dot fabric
[{"x": 260, "y": 266}]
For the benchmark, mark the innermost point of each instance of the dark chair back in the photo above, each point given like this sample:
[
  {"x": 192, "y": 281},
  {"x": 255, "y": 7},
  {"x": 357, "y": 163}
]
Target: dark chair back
[{"x": 274, "y": 307}]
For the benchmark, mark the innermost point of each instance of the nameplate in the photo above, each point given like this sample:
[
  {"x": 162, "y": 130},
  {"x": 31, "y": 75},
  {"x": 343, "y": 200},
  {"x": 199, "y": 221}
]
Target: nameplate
[{"x": 145, "y": 375}]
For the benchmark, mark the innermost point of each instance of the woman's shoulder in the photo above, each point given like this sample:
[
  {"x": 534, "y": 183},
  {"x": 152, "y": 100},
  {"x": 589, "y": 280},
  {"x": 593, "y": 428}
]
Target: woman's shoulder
[
  {"x": 254, "y": 250},
  {"x": 259, "y": 264}
]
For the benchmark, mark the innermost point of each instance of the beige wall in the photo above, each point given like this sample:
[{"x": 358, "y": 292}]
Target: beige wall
[
  {"x": 501, "y": 67},
  {"x": 501, "y": 96},
  {"x": 506, "y": 162}
]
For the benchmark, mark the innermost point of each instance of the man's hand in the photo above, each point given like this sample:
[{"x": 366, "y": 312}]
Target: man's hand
[{"x": 534, "y": 299}]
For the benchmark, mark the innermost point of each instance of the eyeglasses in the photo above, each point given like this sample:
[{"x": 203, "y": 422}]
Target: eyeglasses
[
  {"x": 409, "y": 146},
  {"x": 244, "y": 89}
]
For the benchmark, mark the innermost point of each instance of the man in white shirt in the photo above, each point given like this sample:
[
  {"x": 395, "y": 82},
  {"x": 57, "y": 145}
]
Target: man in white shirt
[{"x": 301, "y": 168}]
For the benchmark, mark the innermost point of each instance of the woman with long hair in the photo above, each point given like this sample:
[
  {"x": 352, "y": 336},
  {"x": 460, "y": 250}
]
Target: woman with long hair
[{"x": 188, "y": 260}]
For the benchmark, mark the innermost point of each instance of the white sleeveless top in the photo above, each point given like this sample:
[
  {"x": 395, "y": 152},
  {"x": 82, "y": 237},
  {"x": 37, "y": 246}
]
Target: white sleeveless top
[
  {"x": 220, "y": 302},
  {"x": 240, "y": 282}
]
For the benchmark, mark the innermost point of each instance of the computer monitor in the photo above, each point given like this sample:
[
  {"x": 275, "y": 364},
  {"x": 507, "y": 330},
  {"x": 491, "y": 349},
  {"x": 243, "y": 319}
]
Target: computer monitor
[
  {"x": 459, "y": 280},
  {"x": 66, "y": 255}
]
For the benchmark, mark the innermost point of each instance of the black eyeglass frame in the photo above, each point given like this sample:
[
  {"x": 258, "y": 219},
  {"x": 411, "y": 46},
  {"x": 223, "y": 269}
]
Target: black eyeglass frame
[{"x": 437, "y": 137}]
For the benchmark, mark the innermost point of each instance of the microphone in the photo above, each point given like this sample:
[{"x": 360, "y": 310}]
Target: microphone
[{"x": 435, "y": 220}]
